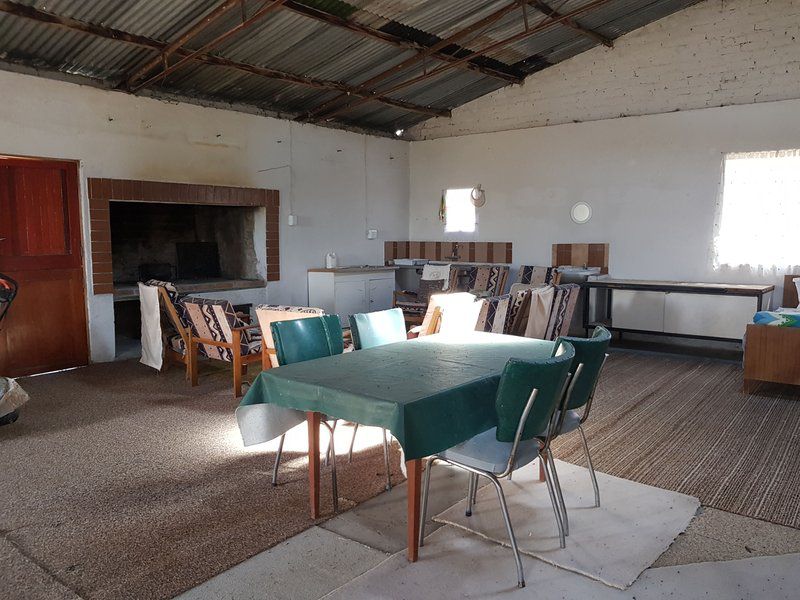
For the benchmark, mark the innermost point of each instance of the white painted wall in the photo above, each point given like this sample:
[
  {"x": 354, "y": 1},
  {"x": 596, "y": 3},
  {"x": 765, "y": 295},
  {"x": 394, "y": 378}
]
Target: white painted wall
[
  {"x": 653, "y": 183},
  {"x": 719, "y": 52},
  {"x": 321, "y": 172}
]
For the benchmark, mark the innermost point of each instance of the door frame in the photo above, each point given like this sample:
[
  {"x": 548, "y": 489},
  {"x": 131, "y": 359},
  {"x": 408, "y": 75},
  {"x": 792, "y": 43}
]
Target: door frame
[{"x": 74, "y": 191}]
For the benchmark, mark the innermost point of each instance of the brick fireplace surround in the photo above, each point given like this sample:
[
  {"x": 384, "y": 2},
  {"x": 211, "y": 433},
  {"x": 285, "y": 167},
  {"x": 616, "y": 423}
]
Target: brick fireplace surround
[{"x": 102, "y": 191}]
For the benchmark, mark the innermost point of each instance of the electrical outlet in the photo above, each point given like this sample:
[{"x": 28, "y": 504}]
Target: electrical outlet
[{"x": 372, "y": 234}]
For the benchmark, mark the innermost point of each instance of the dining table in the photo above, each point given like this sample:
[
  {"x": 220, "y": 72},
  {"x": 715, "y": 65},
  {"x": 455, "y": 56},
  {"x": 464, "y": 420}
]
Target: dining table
[{"x": 431, "y": 393}]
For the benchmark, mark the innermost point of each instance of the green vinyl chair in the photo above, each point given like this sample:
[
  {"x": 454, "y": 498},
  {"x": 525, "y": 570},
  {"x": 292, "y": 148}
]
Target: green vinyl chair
[
  {"x": 527, "y": 398},
  {"x": 306, "y": 339},
  {"x": 378, "y": 328},
  {"x": 590, "y": 356},
  {"x": 370, "y": 330}
]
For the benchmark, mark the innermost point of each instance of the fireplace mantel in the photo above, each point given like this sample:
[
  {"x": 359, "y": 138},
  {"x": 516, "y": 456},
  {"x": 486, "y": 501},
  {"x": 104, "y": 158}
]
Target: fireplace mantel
[{"x": 103, "y": 191}]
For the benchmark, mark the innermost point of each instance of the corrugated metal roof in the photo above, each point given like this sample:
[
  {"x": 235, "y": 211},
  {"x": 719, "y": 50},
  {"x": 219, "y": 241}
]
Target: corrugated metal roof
[{"x": 291, "y": 41}]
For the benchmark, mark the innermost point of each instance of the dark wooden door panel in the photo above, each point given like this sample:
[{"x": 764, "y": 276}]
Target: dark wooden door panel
[
  {"x": 40, "y": 333},
  {"x": 40, "y": 247}
]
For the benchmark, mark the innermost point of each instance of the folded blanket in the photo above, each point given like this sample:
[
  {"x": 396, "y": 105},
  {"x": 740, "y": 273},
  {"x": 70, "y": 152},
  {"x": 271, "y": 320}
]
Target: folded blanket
[{"x": 777, "y": 319}]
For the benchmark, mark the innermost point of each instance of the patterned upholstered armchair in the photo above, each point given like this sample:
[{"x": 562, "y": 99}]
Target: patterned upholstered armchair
[
  {"x": 542, "y": 312},
  {"x": 481, "y": 280},
  {"x": 218, "y": 333},
  {"x": 530, "y": 274}
]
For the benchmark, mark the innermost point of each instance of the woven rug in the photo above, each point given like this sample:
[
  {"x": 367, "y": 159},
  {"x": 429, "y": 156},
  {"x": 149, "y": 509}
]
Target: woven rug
[
  {"x": 122, "y": 483},
  {"x": 685, "y": 425}
]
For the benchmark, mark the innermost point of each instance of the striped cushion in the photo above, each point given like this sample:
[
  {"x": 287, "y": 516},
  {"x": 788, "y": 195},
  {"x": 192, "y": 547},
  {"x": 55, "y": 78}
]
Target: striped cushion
[{"x": 215, "y": 320}]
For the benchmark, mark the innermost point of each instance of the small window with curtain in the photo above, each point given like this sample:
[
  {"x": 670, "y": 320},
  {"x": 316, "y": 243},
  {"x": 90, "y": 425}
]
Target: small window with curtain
[
  {"x": 459, "y": 213},
  {"x": 758, "y": 223}
]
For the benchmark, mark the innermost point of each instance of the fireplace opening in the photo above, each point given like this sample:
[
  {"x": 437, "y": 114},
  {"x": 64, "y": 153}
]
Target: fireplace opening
[
  {"x": 201, "y": 248},
  {"x": 183, "y": 243}
]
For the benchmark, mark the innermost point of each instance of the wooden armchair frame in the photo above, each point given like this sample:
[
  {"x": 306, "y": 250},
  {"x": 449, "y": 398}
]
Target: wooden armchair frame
[
  {"x": 239, "y": 361},
  {"x": 170, "y": 354}
]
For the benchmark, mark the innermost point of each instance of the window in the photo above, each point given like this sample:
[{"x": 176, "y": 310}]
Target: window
[
  {"x": 459, "y": 212},
  {"x": 760, "y": 209}
]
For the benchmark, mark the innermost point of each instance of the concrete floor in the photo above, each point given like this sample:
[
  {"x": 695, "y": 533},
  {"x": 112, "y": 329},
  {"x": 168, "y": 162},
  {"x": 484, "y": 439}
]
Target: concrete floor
[{"x": 350, "y": 544}]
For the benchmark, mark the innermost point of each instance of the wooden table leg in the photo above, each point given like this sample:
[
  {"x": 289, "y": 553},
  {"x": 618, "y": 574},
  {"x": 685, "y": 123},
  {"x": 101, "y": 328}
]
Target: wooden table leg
[
  {"x": 314, "y": 420},
  {"x": 414, "y": 470}
]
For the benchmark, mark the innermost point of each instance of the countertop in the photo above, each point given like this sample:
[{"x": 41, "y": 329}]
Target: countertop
[
  {"x": 353, "y": 270},
  {"x": 681, "y": 286}
]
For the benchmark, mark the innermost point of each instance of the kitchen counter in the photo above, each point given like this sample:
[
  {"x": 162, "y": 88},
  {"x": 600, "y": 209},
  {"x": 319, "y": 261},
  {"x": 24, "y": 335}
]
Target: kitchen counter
[{"x": 364, "y": 269}]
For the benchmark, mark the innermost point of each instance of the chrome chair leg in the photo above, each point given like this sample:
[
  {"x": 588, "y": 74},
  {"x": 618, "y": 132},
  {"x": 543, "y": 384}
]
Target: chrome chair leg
[
  {"x": 471, "y": 487},
  {"x": 331, "y": 452},
  {"x": 385, "y": 459},
  {"x": 554, "y": 502},
  {"x": 591, "y": 468},
  {"x": 559, "y": 494},
  {"x": 352, "y": 442},
  {"x": 277, "y": 461},
  {"x": 504, "y": 507},
  {"x": 328, "y": 450},
  {"x": 424, "y": 509}
]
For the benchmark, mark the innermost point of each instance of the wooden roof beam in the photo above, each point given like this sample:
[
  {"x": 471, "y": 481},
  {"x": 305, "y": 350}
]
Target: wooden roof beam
[
  {"x": 194, "y": 30},
  {"x": 367, "y": 86},
  {"x": 396, "y": 40},
  {"x": 545, "y": 9},
  {"x": 329, "y": 113},
  {"x": 265, "y": 10},
  {"x": 108, "y": 33}
]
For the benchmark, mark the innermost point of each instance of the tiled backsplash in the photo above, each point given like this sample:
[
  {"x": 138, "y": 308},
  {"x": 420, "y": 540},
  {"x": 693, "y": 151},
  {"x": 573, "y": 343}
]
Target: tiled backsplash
[{"x": 482, "y": 252}]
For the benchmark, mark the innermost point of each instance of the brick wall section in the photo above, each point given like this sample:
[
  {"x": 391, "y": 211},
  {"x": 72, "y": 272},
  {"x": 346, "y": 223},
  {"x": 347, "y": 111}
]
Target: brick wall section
[
  {"x": 101, "y": 191},
  {"x": 716, "y": 53}
]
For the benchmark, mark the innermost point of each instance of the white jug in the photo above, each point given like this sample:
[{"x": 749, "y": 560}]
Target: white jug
[{"x": 331, "y": 262}]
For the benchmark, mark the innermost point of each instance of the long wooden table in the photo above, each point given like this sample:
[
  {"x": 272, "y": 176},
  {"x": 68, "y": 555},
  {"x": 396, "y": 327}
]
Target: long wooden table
[{"x": 431, "y": 393}]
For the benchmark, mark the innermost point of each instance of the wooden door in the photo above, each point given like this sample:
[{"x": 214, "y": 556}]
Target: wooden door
[{"x": 40, "y": 246}]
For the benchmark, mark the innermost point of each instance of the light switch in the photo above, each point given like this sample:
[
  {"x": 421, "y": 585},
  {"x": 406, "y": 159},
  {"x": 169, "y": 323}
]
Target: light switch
[{"x": 372, "y": 234}]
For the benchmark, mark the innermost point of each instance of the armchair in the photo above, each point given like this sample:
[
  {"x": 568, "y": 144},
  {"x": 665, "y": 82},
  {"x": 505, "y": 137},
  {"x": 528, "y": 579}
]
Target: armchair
[{"x": 217, "y": 333}]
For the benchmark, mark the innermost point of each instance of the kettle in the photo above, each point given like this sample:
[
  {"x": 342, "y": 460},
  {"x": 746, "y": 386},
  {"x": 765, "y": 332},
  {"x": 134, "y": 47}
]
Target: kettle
[{"x": 331, "y": 261}]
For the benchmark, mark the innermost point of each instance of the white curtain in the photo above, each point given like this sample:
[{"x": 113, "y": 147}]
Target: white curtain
[{"x": 759, "y": 225}]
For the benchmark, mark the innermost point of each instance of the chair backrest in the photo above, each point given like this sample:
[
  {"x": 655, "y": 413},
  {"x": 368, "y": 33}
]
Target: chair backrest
[
  {"x": 494, "y": 313},
  {"x": 548, "y": 377},
  {"x": 480, "y": 279},
  {"x": 591, "y": 353},
  {"x": 564, "y": 300},
  {"x": 378, "y": 328},
  {"x": 307, "y": 339},
  {"x": 458, "y": 313},
  {"x": 215, "y": 320},
  {"x": 532, "y": 274},
  {"x": 267, "y": 314}
]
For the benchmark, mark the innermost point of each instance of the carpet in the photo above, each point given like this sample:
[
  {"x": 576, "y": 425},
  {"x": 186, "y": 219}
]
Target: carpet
[
  {"x": 612, "y": 543},
  {"x": 123, "y": 483},
  {"x": 685, "y": 425}
]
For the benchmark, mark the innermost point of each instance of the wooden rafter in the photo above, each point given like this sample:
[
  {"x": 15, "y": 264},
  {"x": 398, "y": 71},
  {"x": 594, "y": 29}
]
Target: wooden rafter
[
  {"x": 328, "y": 113},
  {"x": 367, "y": 87},
  {"x": 545, "y": 9},
  {"x": 182, "y": 39},
  {"x": 265, "y": 10},
  {"x": 396, "y": 40},
  {"x": 100, "y": 31}
]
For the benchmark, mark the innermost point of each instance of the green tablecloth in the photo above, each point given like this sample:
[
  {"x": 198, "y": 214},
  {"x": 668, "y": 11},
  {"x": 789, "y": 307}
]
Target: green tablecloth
[{"x": 431, "y": 393}]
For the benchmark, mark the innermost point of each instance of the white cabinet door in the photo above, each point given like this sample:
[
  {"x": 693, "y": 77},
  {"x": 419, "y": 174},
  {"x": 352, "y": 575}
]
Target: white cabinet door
[
  {"x": 637, "y": 309},
  {"x": 380, "y": 293},
  {"x": 350, "y": 298},
  {"x": 707, "y": 315}
]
